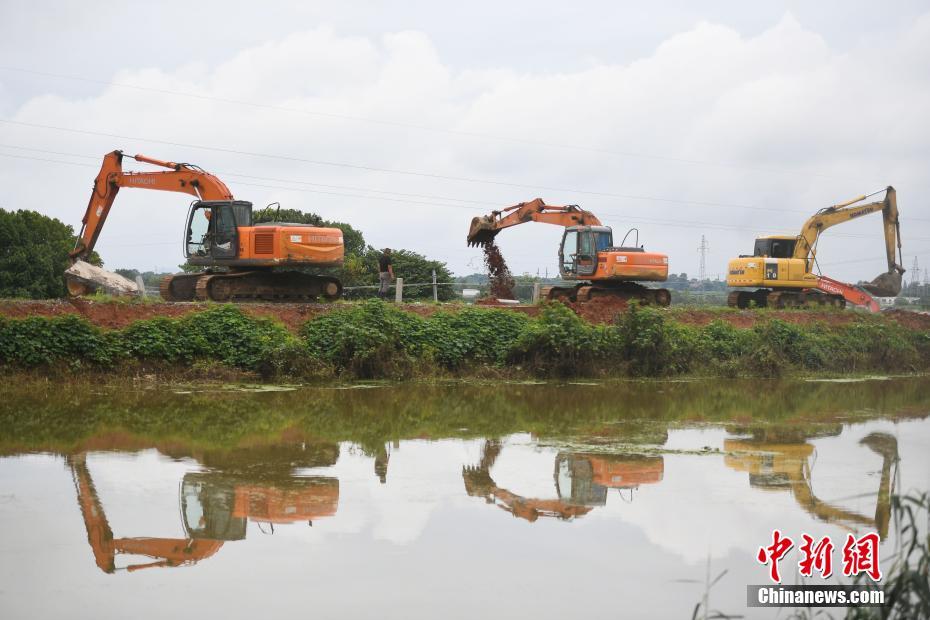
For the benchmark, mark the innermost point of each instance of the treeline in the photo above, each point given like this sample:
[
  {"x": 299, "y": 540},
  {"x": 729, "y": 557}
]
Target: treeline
[{"x": 377, "y": 340}]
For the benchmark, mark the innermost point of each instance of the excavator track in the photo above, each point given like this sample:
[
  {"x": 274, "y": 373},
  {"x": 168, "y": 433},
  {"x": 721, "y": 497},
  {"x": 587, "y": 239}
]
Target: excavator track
[
  {"x": 764, "y": 298},
  {"x": 626, "y": 290},
  {"x": 280, "y": 287},
  {"x": 179, "y": 286}
]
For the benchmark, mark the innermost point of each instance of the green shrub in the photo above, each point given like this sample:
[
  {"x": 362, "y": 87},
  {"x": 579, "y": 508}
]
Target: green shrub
[
  {"x": 226, "y": 334},
  {"x": 473, "y": 335},
  {"x": 38, "y": 341},
  {"x": 559, "y": 343},
  {"x": 653, "y": 345},
  {"x": 371, "y": 339}
]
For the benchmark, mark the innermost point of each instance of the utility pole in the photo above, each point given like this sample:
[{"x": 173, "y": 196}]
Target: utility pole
[
  {"x": 702, "y": 272},
  {"x": 915, "y": 273}
]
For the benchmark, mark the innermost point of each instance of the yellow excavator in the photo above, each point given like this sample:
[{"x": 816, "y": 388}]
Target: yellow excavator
[
  {"x": 783, "y": 265},
  {"x": 788, "y": 465}
]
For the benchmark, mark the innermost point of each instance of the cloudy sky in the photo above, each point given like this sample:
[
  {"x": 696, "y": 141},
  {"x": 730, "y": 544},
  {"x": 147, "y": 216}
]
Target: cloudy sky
[{"x": 727, "y": 120}]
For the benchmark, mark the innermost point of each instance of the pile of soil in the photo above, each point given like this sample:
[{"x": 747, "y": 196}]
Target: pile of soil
[
  {"x": 502, "y": 281},
  {"x": 600, "y": 310}
]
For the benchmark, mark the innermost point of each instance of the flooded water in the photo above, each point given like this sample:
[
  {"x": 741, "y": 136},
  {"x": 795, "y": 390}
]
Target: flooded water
[{"x": 426, "y": 501}]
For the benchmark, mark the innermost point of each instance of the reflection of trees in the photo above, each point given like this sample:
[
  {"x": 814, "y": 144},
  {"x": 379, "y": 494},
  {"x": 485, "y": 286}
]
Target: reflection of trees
[
  {"x": 84, "y": 416},
  {"x": 785, "y": 464},
  {"x": 581, "y": 482}
]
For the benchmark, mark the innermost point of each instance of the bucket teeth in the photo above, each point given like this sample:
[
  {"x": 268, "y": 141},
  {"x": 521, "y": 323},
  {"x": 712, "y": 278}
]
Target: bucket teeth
[{"x": 482, "y": 231}]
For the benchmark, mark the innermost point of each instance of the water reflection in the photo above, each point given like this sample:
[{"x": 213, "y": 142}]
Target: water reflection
[
  {"x": 404, "y": 493},
  {"x": 787, "y": 466},
  {"x": 581, "y": 482},
  {"x": 257, "y": 484}
]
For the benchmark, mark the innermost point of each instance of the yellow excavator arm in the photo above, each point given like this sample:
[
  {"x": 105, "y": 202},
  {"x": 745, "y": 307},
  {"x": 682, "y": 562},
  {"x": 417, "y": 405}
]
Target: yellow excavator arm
[{"x": 885, "y": 285}]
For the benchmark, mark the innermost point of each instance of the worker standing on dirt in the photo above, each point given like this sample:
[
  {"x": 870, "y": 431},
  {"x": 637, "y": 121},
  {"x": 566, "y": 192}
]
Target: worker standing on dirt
[{"x": 385, "y": 272}]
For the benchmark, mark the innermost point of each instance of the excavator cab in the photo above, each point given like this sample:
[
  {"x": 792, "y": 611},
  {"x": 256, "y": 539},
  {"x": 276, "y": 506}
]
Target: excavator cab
[
  {"x": 213, "y": 228},
  {"x": 579, "y": 249}
]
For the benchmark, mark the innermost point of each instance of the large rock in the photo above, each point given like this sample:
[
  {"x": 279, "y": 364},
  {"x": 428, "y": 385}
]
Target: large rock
[{"x": 97, "y": 278}]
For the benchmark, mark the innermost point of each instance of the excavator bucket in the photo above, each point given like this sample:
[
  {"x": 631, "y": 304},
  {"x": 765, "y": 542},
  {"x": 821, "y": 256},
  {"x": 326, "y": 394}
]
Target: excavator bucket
[
  {"x": 482, "y": 231},
  {"x": 885, "y": 285}
]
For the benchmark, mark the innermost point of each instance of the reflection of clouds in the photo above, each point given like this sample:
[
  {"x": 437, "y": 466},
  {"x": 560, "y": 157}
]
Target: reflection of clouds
[
  {"x": 702, "y": 506},
  {"x": 421, "y": 476},
  {"x": 140, "y": 491}
]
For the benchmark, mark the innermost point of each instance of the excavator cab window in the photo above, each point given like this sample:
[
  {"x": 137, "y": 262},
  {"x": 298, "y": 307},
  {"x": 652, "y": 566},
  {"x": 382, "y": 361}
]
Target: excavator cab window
[
  {"x": 586, "y": 260},
  {"x": 212, "y": 228},
  {"x": 198, "y": 230},
  {"x": 603, "y": 239},
  {"x": 569, "y": 251},
  {"x": 775, "y": 248}
]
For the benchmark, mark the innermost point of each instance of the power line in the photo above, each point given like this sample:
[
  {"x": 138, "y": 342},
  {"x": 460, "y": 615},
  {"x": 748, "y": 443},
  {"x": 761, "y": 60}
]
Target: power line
[
  {"x": 404, "y": 125},
  {"x": 668, "y": 223},
  {"x": 320, "y": 162}
]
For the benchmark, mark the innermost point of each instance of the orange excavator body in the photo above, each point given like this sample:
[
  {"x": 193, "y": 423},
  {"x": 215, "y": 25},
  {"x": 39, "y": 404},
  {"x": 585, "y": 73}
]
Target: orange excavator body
[
  {"x": 275, "y": 505},
  {"x": 587, "y": 253},
  {"x": 219, "y": 233},
  {"x": 626, "y": 472}
]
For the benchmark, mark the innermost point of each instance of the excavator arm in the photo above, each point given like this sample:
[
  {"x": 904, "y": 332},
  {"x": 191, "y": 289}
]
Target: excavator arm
[
  {"x": 168, "y": 552},
  {"x": 184, "y": 178},
  {"x": 483, "y": 229},
  {"x": 885, "y": 285}
]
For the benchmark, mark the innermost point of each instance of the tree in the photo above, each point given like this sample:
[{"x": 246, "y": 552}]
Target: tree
[{"x": 34, "y": 255}]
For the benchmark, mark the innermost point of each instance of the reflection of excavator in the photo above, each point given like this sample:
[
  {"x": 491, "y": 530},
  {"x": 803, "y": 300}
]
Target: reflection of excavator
[
  {"x": 219, "y": 234},
  {"x": 783, "y": 265},
  {"x": 787, "y": 465},
  {"x": 215, "y": 508},
  {"x": 581, "y": 482},
  {"x": 587, "y": 253}
]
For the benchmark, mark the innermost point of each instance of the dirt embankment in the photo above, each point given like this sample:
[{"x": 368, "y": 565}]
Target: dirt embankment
[{"x": 115, "y": 315}]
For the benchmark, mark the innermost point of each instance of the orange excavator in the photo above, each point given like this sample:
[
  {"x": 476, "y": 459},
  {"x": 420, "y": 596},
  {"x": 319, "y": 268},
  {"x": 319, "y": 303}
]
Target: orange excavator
[
  {"x": 581, "y": 482},
  {"x": 587, "y": 253},
  {"x": 239, "y": 258},
  {"x": 215, "y": 508}
]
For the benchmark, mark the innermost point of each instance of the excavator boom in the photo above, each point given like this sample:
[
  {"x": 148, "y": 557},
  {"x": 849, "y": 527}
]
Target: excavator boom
[
  {"x": 887, "y": 284},
  {"x": 182, "y": 178},
  {"x": 484, "y": 229}
]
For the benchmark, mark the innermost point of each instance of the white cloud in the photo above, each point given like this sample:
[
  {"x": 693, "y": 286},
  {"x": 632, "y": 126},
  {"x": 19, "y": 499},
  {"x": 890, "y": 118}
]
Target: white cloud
[{"x": 789, "y": 122}]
